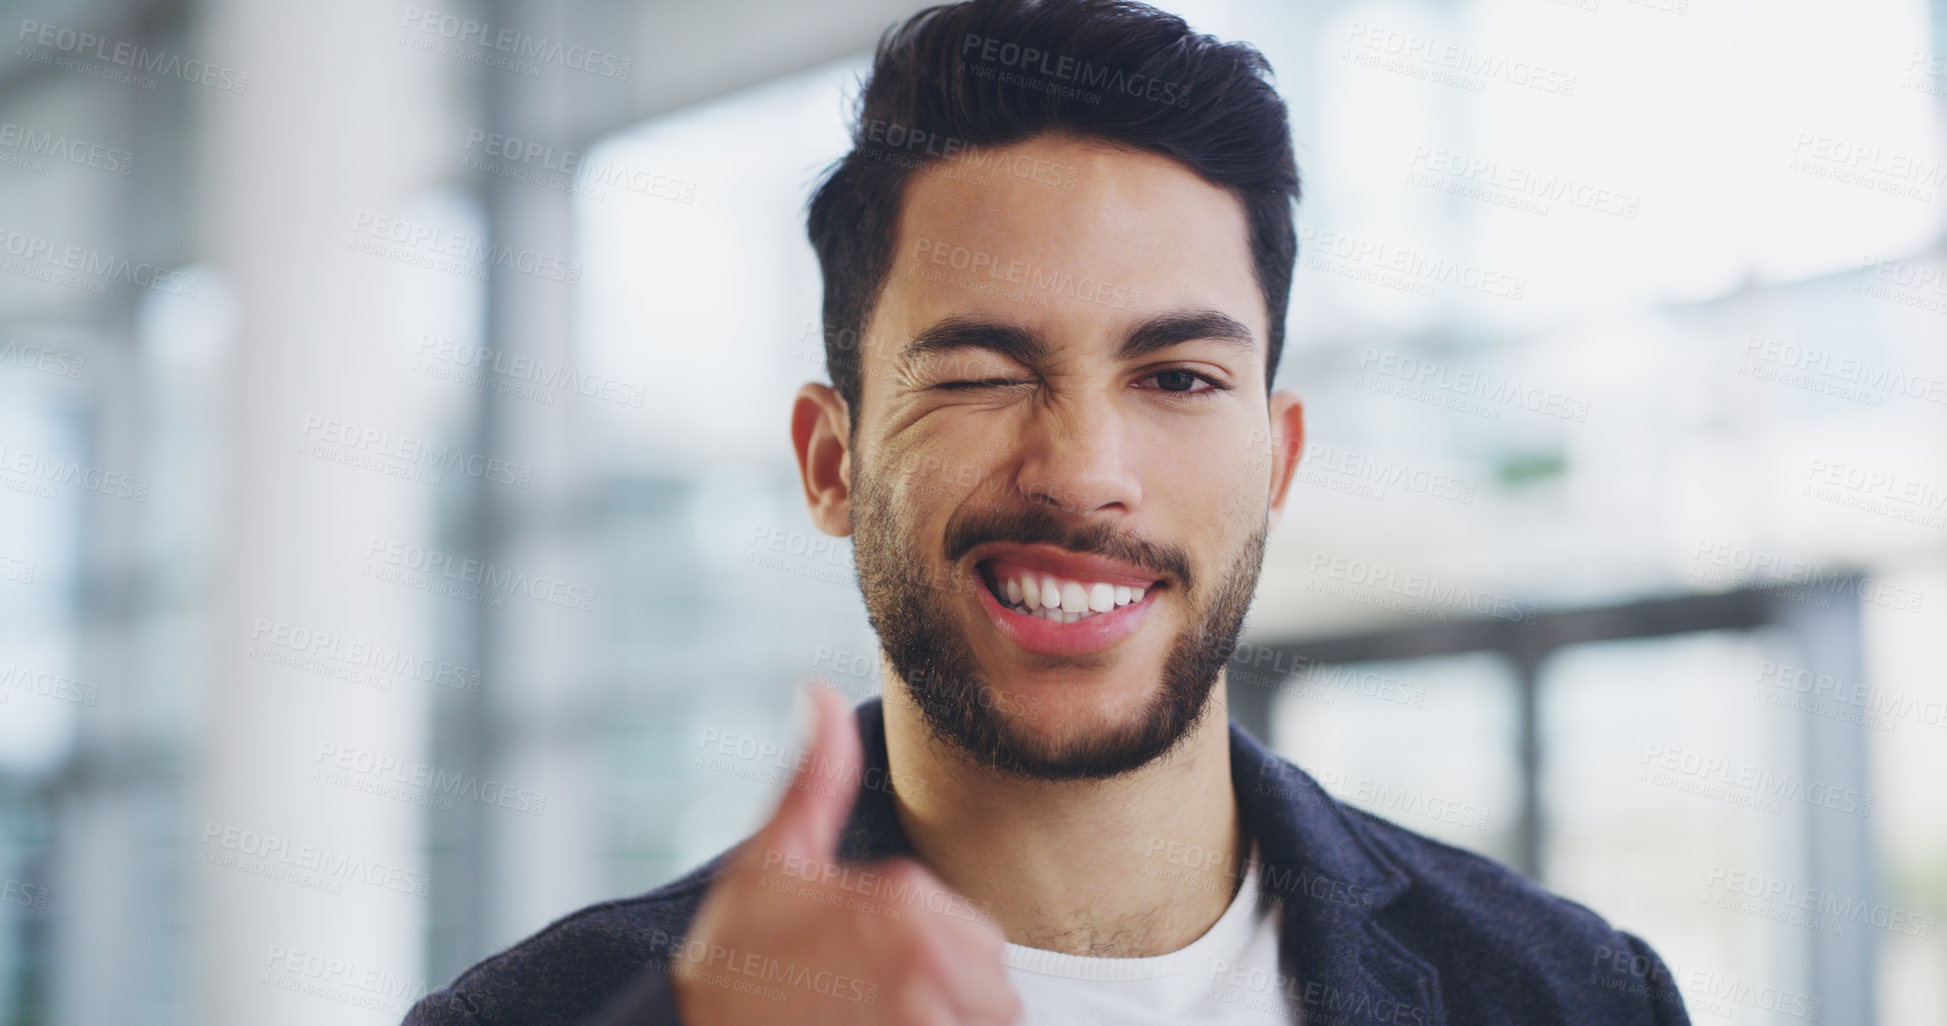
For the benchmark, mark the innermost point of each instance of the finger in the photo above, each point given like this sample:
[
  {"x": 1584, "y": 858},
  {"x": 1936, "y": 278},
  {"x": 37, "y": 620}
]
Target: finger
[
  {"x": 998, "y": 1005},
  {"x": 981, "y": 991},
  {"x": 958, "y": 947},
  {"x": 968, "y": 972},
  {"x": 981, "y": 988},
  {"x": 811, "y": 816}
]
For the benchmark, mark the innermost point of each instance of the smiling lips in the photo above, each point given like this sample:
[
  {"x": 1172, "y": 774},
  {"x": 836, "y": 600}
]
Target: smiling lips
[
  {"x": 1056, "y": 602},
  {"x": 1038, "y": 593}
]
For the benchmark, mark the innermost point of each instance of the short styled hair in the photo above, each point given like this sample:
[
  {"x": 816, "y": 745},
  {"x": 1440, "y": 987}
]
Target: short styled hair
[{"x": 959, "y": 77}]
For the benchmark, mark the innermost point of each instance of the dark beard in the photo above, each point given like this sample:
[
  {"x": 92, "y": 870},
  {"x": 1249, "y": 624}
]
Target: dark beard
[{"x": 923, "y": 644}]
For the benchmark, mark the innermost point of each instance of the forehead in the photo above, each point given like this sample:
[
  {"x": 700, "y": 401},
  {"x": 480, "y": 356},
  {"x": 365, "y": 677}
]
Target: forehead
[{"x": 1073, "y": 239}]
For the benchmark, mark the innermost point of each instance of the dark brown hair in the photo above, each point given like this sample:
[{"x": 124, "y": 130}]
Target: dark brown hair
[{"x": 992, "y": 72}]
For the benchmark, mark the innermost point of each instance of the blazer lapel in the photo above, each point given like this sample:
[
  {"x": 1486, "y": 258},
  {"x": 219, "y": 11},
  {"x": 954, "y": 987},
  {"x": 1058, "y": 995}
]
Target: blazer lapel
[
  {"x": 1332, "y": 881},
  {"x": 1343, "y": 967}
]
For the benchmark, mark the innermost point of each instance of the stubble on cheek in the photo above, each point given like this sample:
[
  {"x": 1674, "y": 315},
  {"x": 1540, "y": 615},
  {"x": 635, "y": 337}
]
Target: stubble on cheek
[{"x": 905, "y": 501}]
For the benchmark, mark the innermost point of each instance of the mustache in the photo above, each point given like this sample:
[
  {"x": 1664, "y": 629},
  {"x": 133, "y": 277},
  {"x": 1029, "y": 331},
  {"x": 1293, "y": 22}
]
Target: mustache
[{"x": 1031, "y": 525}]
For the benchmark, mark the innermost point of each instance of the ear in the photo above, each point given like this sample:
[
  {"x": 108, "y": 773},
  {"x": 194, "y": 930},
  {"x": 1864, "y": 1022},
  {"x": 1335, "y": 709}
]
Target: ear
[
  {"x": 1287, "y": 445},
  {"x": 821, "y": 434}
]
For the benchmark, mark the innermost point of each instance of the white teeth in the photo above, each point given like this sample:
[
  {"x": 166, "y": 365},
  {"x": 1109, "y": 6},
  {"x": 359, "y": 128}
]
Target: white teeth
[{"x": 1062, "y": 601}]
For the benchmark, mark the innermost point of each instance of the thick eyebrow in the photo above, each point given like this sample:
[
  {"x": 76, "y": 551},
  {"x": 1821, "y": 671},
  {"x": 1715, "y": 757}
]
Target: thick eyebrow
[
  {"x": 955, "y": 334},
  {"x": 1172, "y": 329},
  {"x": 1027, "y": 348}
]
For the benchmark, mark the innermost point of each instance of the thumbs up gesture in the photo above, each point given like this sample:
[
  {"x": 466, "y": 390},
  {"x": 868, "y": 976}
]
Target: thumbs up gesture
[{"x": 788, "y": 935}]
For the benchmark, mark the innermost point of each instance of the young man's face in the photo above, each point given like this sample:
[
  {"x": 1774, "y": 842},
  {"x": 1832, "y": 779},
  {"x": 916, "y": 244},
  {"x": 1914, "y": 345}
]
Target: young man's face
[{"x": 1063, "y": 383}]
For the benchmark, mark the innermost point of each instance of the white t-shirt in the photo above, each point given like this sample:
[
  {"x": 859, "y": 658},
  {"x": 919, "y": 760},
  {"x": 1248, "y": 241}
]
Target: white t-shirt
[{"x": 1228, "y": 976}]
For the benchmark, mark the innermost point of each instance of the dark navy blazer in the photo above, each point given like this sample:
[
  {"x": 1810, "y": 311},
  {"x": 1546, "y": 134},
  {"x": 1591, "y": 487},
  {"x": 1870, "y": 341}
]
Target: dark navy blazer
[{"x": 1382, "y": 927}]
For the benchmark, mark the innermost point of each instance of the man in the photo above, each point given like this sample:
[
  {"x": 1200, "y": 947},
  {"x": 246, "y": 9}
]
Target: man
[{"x": 1056, "y": 268}]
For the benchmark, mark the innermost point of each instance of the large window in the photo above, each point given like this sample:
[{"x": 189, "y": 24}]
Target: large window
[{"x": 1618, "y": 552}]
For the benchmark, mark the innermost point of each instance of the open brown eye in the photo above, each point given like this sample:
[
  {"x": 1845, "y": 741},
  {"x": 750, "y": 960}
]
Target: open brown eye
[{"x": 1176, "y": 380}]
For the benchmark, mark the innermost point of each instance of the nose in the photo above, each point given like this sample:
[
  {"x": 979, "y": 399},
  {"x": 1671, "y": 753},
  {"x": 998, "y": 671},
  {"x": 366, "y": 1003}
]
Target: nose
[{"x": 1078, "y": 457}]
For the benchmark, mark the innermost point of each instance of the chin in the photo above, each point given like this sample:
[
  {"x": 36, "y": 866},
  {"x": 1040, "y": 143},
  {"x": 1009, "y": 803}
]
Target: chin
[{"x": 1052, "y": 714}]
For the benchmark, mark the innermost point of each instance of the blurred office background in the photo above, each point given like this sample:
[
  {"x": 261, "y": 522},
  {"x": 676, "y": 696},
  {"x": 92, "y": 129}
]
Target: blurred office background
[{"x": 400, "y": 545}]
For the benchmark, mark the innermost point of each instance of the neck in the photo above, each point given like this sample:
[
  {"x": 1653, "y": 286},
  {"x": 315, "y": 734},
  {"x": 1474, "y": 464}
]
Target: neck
[{"x": 1134, "y": 866}]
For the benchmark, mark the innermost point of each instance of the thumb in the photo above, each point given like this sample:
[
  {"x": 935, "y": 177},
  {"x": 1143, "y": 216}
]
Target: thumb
[{"x": 812, "y": 814}]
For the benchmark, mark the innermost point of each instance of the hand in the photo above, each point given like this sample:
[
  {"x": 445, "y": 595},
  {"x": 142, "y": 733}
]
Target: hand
[{"x": 789, "y": 935}]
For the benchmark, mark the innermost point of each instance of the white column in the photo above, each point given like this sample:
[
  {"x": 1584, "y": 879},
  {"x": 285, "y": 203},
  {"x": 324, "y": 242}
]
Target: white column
[{"x": 339, "y": 119}]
